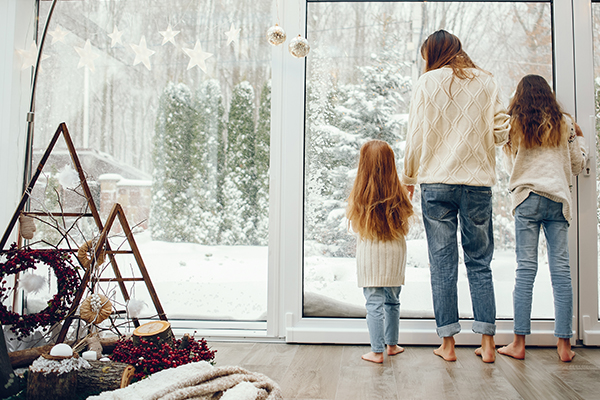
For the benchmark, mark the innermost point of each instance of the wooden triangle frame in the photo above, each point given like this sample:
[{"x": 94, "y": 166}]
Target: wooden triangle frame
[{"x": 117, "y": 211}]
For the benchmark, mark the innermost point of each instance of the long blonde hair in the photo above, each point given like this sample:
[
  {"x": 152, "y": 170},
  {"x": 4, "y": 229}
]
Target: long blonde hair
[{"x": 378, "y": 206}]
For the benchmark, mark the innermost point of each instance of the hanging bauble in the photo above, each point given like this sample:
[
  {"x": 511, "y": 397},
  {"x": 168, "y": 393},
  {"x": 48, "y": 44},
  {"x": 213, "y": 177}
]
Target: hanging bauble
[
  {"x": 276, "y": 35},
  {"x": 27, "y": 226},
  {"x": 299, "y": 47},
  {"x": 95, "y": 309}
]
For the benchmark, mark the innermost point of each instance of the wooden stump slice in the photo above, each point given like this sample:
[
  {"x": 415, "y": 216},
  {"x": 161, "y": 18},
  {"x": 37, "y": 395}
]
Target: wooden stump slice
[{"x": 156, "y": 331}]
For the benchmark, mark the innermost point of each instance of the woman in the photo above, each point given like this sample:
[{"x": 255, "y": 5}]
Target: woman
[
  {"x": 456, "y": 120},
  {"x": 545, "y": 149}
]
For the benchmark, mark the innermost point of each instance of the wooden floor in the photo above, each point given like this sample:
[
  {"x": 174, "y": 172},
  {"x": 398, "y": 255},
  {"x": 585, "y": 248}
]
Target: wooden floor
[{"x": 315, "y": 372}]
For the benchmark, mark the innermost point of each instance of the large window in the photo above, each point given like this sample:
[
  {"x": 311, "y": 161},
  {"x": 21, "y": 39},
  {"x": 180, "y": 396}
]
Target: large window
[
  {"x": 168, "y": 104},
  {"x": 360, "y": 73}
]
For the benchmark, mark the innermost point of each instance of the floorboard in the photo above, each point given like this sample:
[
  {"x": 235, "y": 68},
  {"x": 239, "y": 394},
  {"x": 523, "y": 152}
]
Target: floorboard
[{"x": 336, "y": 372}]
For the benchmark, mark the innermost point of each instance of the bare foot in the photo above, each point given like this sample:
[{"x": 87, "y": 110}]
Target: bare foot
[
  {"x": 564, "y": 350},
  {"x": 516, "y": 349},
  {"x": 393, "y": 350},
  {"x": 487, "y": 351},
  {"x": 373, "y": 357},
  {"x": 446, "y": 350}
]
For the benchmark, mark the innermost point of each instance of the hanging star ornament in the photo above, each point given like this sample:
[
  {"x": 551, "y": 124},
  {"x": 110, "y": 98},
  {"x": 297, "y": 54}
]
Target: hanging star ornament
[
  {"x": 115, "y": 37},
  {"x": 58, "y": 35},
  {"x": 197, "y": 57},
  {"x": 86, "y": 56},
  {"x": 29, "y": 57},
  {"x": 233, "y": 34},
  {"x": 168, "y": 35},
  {"x": 142, "y": 53}
]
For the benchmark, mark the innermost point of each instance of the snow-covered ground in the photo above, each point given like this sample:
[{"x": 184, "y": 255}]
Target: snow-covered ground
[{"x": 230, "y": 282}]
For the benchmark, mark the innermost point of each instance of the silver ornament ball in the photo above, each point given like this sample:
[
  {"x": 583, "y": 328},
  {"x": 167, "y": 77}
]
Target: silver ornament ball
[
  {"x": 299, "y": 47},
  {"x": 276, "y": 35}
]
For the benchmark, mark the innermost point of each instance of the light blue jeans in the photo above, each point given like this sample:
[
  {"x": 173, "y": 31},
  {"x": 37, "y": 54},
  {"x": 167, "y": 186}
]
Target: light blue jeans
[
  {"x": 532, "y": 214},
  {"x": 383, "y": 316},
  {"x": 443, "y": 205}
]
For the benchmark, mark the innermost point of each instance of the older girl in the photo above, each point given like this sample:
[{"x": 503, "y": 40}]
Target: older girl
[{"x": 545, "y": 149}]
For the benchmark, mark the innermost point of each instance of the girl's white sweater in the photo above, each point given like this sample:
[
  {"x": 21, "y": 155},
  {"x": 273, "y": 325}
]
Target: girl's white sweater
[
  {"x": 380, "y": 264},
  {"x": 454, "y": 127},
  {"x": 547, "y": 171}
]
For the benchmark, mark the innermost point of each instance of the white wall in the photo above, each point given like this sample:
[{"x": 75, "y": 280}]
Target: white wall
[{"x": 17, "y": 24}]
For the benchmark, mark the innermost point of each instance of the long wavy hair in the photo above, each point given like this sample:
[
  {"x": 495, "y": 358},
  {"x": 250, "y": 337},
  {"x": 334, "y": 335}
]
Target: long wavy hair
[
  {"x": 378, "y": 206},
  {"x": 536, "y": 116},
  {"x": 442, "y": 49}
]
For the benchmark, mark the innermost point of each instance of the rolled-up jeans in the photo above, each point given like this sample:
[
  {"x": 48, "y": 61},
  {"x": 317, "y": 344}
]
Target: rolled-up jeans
[
  {"x": 383, "y": 316},
  {"x": 443, "y": 206}
]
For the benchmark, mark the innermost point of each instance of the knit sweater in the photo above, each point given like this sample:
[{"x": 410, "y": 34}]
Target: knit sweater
[
  {"x": 547, "y": 171},
  {"x": 453, "y": 127},
  {"x": 380, "y": 264}
]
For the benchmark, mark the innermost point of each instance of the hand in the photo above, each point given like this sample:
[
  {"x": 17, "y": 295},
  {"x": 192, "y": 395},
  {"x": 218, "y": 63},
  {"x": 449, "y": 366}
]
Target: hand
[
  {"x": 578, "y": 131},
  {"x": 411, "y": 191}
]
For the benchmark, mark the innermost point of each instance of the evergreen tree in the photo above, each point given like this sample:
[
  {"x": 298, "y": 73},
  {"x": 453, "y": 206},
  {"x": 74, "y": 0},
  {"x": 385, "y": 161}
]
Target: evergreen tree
[
  {"x": 263, "y": 136},
  {"x": 210, "y": 108},
  {"x": 176, "y": 204},
  {"x": 240, "y": 214}
]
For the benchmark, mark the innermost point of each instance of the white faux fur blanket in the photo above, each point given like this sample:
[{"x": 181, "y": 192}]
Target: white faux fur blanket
[{"x": 198, "y": 380}]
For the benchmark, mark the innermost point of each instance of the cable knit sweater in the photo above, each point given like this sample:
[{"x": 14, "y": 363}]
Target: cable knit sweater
[
  {"x": 453, "y": 127},
  {"x": 547, "y": 171},
  {"x": 380, "y": 264}
]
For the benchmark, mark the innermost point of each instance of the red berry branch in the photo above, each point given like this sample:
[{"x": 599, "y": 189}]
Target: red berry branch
[{"x": 150, "y": 357}]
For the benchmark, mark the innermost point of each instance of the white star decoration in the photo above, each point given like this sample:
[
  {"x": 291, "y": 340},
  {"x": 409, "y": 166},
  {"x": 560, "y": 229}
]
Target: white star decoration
[
  {"x": 28, "y": 57},
  {"x": 197, "y": 57},
  {"x": 142, "y": 53},
  {"x": 168, "y": 35},
  {"x": 115, "y": 37},
  {"x": 233, "y": 34},
  {"x": 87, "y": 56},
  {"x": 58, "y": 35}
]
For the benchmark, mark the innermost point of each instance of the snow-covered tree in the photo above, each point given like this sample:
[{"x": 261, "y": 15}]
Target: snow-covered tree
[
  {"x": 240, "y": 210},
  {"x": 176, "y": 204},
  {"x": 210, "y": 108}
]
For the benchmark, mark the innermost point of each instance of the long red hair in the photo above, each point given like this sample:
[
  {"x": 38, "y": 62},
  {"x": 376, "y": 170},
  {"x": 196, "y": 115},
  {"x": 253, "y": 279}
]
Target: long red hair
[
  {"x": 378, "y": 206},
  {"x": 536, "y": 116},
  {"x": 442, "y": 49}
]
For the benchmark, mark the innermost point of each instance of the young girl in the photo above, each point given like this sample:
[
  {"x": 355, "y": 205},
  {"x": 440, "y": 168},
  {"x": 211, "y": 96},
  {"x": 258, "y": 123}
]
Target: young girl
[
  {"x": 378, "y": 211},
  {"x": 545, "y": 149}
]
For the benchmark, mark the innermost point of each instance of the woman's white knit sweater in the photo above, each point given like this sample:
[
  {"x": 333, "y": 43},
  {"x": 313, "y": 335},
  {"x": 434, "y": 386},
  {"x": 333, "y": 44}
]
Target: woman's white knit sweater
[
  {"x": 454, "y": 126},
  {"x": 380, "y": 264},
  {"x": 547, "y": 171}
]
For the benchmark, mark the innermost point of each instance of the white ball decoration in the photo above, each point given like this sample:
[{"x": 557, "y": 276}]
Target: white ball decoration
[
  {"x": 135, "y": 307},
  {"x": 61, "y": 350},
  {"x": 32, "y": 283},
  {"x": 299, "y": 47},
  {"x": 276, "y": 35}
]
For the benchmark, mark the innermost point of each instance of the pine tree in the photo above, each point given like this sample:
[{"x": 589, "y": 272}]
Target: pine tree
[
  {"x": 176, "y": 206},
  {"x": 240, "y": 215},
  {"x": 210, "y": 108},
  {"x": 263, "y": 136}
]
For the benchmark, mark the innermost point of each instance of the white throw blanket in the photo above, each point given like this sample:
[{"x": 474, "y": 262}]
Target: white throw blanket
[{"x": 199, "y": 380}]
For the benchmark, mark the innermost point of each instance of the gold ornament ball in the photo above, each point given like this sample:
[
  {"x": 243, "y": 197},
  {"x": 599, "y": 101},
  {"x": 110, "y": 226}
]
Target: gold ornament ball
[
  {"x": 276, "y": 35},
  {"x": 299, "y": 47}
]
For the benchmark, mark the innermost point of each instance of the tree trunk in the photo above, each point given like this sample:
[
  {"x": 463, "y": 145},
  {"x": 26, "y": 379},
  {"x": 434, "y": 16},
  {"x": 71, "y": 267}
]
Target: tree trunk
[
  {"x": 41, "y": 386},
  {"x": 104, "y": 376}
]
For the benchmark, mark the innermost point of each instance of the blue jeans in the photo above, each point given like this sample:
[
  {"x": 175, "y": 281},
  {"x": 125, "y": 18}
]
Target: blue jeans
[
  {"x": 443, "y": 205},
  {"x": 383, "y": 316},
  {"x": 532, "y": 214}
]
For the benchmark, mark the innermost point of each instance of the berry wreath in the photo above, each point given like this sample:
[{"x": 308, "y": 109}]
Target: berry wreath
[{"x": 67, "y": 280}]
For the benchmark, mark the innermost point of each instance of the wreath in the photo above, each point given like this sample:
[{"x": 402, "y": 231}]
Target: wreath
[{"x": 67, "y": 280}]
